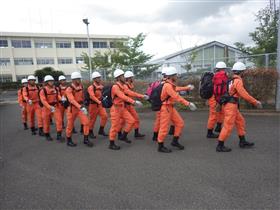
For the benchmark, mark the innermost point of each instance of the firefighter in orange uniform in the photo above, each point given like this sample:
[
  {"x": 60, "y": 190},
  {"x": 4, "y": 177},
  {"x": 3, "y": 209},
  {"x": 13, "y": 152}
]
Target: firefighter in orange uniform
[
  {"x": 62, "y": 92},
  {"x": 31, "y": 96},
  {"x": 232, "y": 115},
  {"x": 169, "y": 114},
  {"x": 22, "y": 104},
  {"x": 75, "y": 96},
  {"x": 95, "y": 105}
]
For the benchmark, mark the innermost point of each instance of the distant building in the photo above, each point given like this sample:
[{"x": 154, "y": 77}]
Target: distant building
[{"x": 23, "y": 53}]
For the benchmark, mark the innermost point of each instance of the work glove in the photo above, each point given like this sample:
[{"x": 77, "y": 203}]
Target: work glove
[
  {"x": 63, "y": 99},
  {"x": 29, "y": 102},
  {"x": 191, "y": 87},
  {"x": 138, "y": 103},
  {"x": 84, "y": 110},
  {"x": 192, "y": 107},
  {"x": 146, "y": 97},
  {"x": 259, "y": 105},
  {"x": 52, "y": 109}
]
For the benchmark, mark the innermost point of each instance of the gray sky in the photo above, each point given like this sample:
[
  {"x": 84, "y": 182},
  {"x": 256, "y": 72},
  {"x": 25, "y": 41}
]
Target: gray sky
[{"x": 170, "y": 25}]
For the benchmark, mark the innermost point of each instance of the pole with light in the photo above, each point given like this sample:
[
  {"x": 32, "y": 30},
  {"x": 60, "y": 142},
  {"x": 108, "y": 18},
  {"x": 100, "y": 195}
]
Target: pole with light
[{"x": 89, "y": 48}]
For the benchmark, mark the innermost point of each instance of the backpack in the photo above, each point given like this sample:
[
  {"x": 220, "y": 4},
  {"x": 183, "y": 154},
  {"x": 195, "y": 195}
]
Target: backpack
[
  {"x": 155, "y": 97},
  {"x": 206, "y": 85},
  {"x": 151, "y": 87},
  {"x": 87, "y": 99},
  {"x": 107, "y": 101}
]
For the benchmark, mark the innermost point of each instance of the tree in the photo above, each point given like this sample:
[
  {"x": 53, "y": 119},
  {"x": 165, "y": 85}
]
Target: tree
[{"x": 41, "y": 73}]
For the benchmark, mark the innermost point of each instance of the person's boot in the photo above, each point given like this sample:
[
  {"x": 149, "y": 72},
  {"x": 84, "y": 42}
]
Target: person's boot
[
  {"x": 48, "y": 137},
  {"x": 175, "y": 143},
  {"x": 162, "y": 148},
  {"x": 211, "y": 135},
  {"x": 91, "y": 134},
  {"x": 74, "y": 130},
  {"x": 70, "y": 143},
  {"x": 102, "y": 132},
  {"x": 35, "y": 128},
  {"x": 33, "y": 131},
  {"x": 243, "y": 143},
  {"x": 113, "y": 146},
  {"x": 155, "y": 136},
  {"x": 82, "y": 129},
  {"x": 218, "y": 128},
  {"x": 59, "y": 137},
  {"x": 41, "y": 132},
  {"x": 124, "y": 138},
  {"x": 221, "y": 147},
  {"x": 119, "y": 135},
  {"x": 171, "y": 130},
  {"x": 25, "y": 127},
  {"x": 87, "y": 141},
  {"x": 137, "y": 134}
]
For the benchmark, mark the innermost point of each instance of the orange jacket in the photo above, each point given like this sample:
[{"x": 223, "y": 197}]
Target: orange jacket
[
  {"x": 178, "y": 88},
  {"x": 62, "y": 90},
  {"x": 118, "y": 95},
  {"x": 21, "y": 101},
  {"x": 169, "y": 93},
  {"x": 129, "y": 90},
  {"x": 49, "y": 96},
  {"x": 236, "y": 89},
  {"x": 31, "y": 93},
  {"x": 95, "y": 92},
  {"x": 75, "y": 95}
]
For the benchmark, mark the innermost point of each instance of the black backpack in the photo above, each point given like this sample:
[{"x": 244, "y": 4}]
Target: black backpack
[
  {"x": 87, "y": 99},
  {"x": 107, "y": 101},
  {"x": 206, "y": 85},
  {"x": 155, "y": 97}
]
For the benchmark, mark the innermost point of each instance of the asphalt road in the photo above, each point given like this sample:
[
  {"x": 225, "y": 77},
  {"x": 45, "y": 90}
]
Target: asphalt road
[{"x": 35, "y": 174}]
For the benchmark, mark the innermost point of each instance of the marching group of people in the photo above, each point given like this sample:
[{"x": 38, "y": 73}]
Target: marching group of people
[{"x": 51, "y": 101}]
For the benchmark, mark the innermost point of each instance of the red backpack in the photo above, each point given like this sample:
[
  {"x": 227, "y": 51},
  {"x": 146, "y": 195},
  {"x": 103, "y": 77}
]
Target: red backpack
[
  {"x": 152, "y": 86},
  {"x": 220, "y": 85}
]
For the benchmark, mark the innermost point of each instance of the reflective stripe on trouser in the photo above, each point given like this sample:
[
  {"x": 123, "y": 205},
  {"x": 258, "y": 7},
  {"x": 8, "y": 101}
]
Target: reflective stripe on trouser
[
  {"x": 94, "y": 111},
  {"x": 169, "y": 114},
  {"x": 31, "y": 111},
  {"x": 119, "y": 113},
  {"x": 72, "y": 113},
  {"x": 46, "y": 119},
  {"x": 24, "y": 114},
  {"x": 232, "y": 117}
]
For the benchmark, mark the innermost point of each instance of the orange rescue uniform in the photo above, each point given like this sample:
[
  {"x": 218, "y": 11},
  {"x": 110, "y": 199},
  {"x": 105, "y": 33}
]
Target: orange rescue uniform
[
  {"x": 214, "y": 116},
  {"x": 23, "y": 105},
  {"x": 62, "y": 92}
]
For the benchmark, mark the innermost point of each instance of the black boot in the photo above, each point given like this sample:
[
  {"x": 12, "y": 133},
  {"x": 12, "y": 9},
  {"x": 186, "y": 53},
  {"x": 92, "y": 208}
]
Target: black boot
[
  {"x": 175, "y": 143},
  {"x": 162, "y": 148},
  {"x": 171, "y": 130},
  {"x": 87, "y": 142},
  {"x": 243, "y": 143},
  {"x": 113, "y": 146},
  {"x": 25, "y": 127},
  {"x": 137, "y": 134},
  {"x": 124, "y": 138},
  {"x": 59, "y": 137},
  {"x": 155, "y": 136},
  {"x": 33, "y": 131},
  {"x": 211, "y": 135},
  {"x": 119, "y": 135},
  {"x": 41, "y": 133},
  {"x": 48, "y": 137},
  {"x": 91, "y": 134},
  {"x": 102, "y": 132},
  {"x": 82, "y": 129},
  {"x": 218, "y": 127},
  {"x": 221, "y": 147},
  {"x": 74, "y": 130},
  {"x": 70, "y": 143}
]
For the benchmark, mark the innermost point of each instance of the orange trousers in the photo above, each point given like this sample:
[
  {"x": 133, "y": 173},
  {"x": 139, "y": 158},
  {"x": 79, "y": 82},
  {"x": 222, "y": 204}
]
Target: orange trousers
[
  {"x": 72, "y": 114},
  {"x": 232, "y": 117},
  {"x": 62, "y": 111},
  {"x": 24, "y": 113},
  {"x": 134, "y": 114},
  {"x": 156, "y": 123},
  {"x": 31, "y": 111},
  {"x": 119, "y": 113},
  {"x": 47, "y": 114},
  {"x": 168, "y": 114},
  {"x": 94, "y": 111}
]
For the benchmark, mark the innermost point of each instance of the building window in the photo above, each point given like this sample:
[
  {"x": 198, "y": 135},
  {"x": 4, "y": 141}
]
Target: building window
[
  {"x": 99, "y": 44},
  {"x": 5, "y": 61},
  {"x": 43, "y": 44},
  {"x": 79, "y": 60},
  {"x": 3, "y": 43},
  {"x": 43, "y": 61},
  {"x": 62, "y": 44},
  {"x": 21, "y": 43},
  {"x": 112, "y": 45},
  {"x": 23, "y": 61},
  {"x": 81, "y": 44},
  {"x": 64, "y": 60}
]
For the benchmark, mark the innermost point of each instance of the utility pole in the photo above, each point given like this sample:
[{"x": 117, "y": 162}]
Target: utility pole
[{"x": 89, "y": 48}]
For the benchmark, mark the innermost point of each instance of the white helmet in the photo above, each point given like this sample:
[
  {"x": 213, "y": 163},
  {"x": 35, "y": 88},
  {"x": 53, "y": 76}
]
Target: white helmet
[
  {"x": 221, "y": 65},
  {"x": 48, "y": 78},
  {"x": 163, "y": 71},
  {"x": 24, "y": 81},
  {"x": 31, "y": 77},
  {"x": 61, "y": 77},
  {"x": 118, "y": 72},
  {"x": 76, "y": 75},
  {"x": 239, "y": 66},
  {"x": 95, "y": 74},
  {"x": 128, "y": 74},
  {"x": 171, "y": 71}
]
